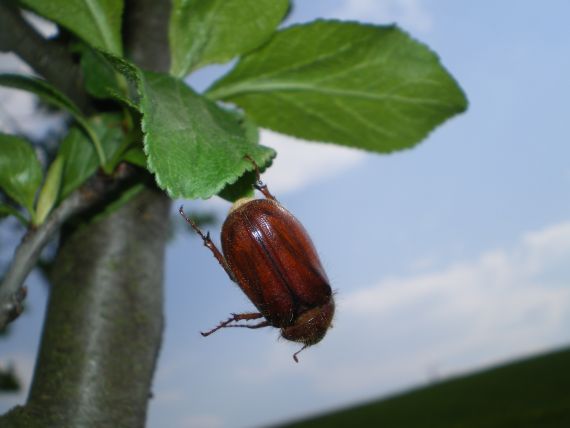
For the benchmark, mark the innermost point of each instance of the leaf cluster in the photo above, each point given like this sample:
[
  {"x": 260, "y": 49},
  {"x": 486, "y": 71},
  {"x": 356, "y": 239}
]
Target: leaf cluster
[{"x": 364, "y": 86}]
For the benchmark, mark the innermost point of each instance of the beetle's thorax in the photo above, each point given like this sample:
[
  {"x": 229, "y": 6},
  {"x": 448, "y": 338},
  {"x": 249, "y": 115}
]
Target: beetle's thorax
[
  {"x": 241, "y": 201},
  {"x": 310, "y": 326}
]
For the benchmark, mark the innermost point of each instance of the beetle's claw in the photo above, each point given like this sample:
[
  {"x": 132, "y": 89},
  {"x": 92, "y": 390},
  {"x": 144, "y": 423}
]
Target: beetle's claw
[
  {"x": 298, "y": 352},
  {"x": 183, "y": 214}
]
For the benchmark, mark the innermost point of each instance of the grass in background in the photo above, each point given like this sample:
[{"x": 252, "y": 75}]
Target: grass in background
[{"x": 534, "y": 392}]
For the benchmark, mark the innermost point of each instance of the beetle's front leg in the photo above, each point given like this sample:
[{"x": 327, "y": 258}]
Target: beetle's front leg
[
  {"x": 208, "y": 243},
  {"x": 260, "y": 185},
  {"x": 239, "y": 317}
]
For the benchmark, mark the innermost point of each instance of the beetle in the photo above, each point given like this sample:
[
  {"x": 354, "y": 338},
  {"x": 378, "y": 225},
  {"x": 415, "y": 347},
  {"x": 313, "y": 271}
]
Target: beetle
[{"x": 267, "y": 252}]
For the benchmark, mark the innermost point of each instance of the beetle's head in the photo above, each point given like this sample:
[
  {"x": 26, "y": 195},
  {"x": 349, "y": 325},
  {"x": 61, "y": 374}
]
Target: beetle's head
[{"x": 311, "y": 326}]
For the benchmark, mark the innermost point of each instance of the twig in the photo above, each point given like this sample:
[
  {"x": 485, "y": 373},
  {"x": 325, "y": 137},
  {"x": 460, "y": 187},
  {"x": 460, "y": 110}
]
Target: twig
[
  {"x": 46, "y": 57},
  {"x": 12, "y": 290}
]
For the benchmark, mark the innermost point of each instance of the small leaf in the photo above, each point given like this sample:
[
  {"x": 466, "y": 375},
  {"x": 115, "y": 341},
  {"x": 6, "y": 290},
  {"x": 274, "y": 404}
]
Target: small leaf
[
  {"x": 363, "y": 86},
  {"x": 98, "y": 22},
  {"x": 215, "y": 31},
  {"x": 135, "y": 156},
  {"x": 9, "y": 381},
  {"x": 242, "y": 188},
  {"x": 52, "y": 96},
  {"x": 131, "y": 73},
  {"x": 100, "y": 76},
  {"x": 20, "y": 170},
  {"x": 80, "y": 159},
  {"x": 123, "y": 66},
  {"x": 193, "y": 147},
  {"x": 50, "y": 191}
]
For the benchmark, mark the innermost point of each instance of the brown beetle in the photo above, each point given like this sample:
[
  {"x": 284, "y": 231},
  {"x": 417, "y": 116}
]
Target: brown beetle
[{"x": 268, "y": 253}]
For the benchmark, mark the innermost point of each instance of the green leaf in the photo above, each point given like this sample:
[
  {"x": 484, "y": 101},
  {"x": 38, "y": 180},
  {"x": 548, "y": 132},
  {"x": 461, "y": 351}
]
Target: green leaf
[
  {"x": 135, "y": 156},
  {"x": 129, "y": 96},
  {"x": 7, "y": 210},
  {"x": 215, "y": 31},
  {"x": 243, "y": 187},
  {"x": 80, "y": 159},
  {"x": 98, "y": 22},
  {"x": 50, "y": 191},
  {"x": 193, "y": 147},
  {"x": 358, "y": 85},
  {"x": 20, "y": 170},
  {"x": 52, "y": 96},
  {"x": 100, "y": 76}
]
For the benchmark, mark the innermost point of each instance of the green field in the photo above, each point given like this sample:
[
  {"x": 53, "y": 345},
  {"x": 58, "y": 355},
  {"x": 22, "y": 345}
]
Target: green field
[{"x": 534, "y": 392}]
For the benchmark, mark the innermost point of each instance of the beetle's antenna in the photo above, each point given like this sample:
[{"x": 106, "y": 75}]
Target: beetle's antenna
[
  {"x": 260, "y": 185},
  {"x": 298, "y": 352}
]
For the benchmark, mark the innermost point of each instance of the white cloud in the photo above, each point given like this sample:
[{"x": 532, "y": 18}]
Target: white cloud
[
  {"x": 505, "y": 303},
  {"x": 410, "y": 14},
  {"x": 300, "y": 163},
  {"x": 398, "y": 333},
  {"x": 407, "y": 330}
]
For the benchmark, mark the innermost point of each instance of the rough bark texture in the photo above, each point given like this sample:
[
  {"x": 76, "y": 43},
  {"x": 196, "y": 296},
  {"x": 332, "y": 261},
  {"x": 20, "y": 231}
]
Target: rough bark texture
[
  {"x": 146, "y": 33},
  {"x": 104, "y": 321}
]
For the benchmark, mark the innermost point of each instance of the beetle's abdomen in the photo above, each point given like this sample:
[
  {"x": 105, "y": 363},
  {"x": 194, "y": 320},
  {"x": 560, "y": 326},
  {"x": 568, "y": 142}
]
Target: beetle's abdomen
[{"x": 274, "y": 261}]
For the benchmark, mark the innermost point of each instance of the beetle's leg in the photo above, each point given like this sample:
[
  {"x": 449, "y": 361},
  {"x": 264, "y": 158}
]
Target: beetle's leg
[
  {"x": 299, "y": 351},
  {"x": 260, "y": 185},
  {"x": 239, "y": 317},
  {"x": 258, "y": 325},
  {"x": 208, "y": 243}
]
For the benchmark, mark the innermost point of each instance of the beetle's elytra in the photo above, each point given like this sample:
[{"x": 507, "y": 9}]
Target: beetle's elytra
[{"x": 268, "y": 253}]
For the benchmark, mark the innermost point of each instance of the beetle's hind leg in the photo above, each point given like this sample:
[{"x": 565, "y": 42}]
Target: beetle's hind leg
[
  {"x": 260, "y": 185},
  {"x": 208, "y": 243},
  {"x": 236, "y": 318}
]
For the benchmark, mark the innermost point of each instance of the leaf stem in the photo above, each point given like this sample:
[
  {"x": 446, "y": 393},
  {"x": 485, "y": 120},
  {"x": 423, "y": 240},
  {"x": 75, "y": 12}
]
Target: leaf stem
[{"x": 97, "y": 143}]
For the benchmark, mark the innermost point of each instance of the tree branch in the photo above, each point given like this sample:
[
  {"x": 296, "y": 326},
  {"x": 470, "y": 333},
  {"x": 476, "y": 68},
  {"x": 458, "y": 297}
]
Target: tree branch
[
  {"x": 45, "y": 57},
  {"x": 12, "y": 291},
  {"x": 104, "y": 320},
  {"x": 146, "y": 33}
]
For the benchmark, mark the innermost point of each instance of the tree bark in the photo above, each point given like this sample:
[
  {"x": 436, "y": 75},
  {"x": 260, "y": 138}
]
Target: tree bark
[{"x": 104, "y": 321}]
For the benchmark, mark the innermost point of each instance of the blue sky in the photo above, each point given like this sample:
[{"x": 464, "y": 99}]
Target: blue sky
[{"x": 446, "y": 258}]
